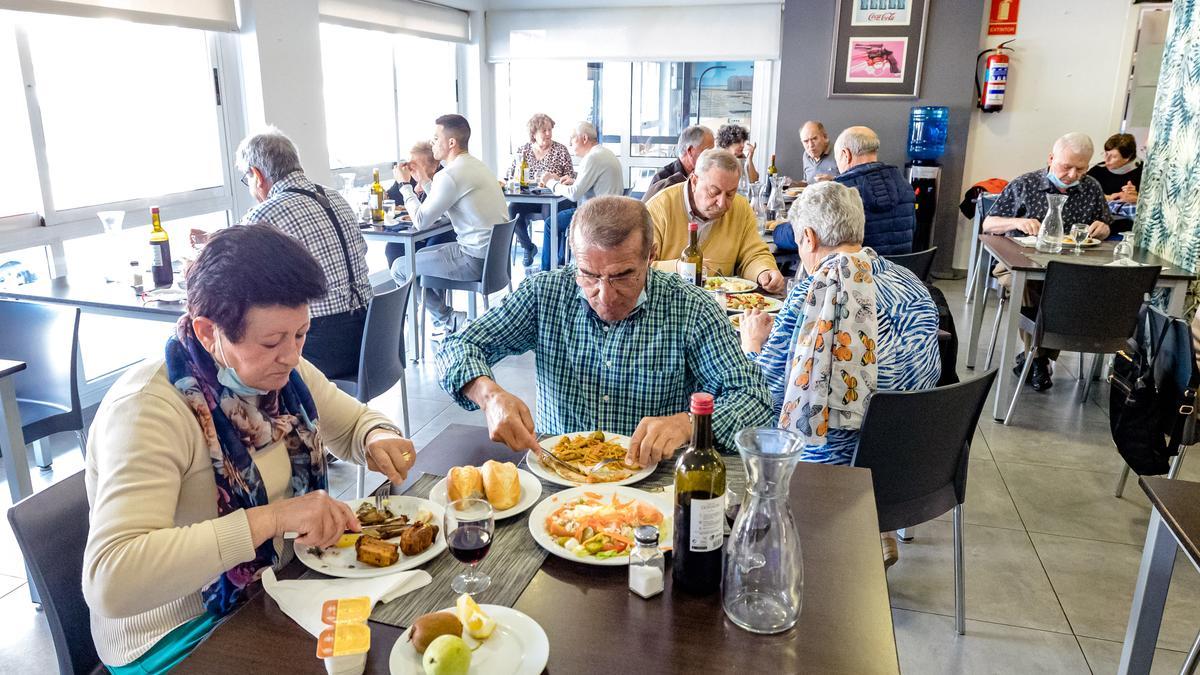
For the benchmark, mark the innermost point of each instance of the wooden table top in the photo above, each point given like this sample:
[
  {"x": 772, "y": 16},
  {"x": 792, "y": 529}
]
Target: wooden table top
[
  {"x": 1178, "y": 502},
  {"x": 845, "y": 624},
  {"x": 1016, "y": 257}
]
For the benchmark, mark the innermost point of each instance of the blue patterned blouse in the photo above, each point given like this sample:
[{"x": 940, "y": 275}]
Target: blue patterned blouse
[{"x": 907, "y": 348}]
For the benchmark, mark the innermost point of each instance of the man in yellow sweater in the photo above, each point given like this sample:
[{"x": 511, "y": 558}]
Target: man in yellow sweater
[{"x": 728, "y": 230}]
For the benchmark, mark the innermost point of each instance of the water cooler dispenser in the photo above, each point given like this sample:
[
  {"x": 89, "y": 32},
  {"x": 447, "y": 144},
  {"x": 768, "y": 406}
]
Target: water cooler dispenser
[{"x": 927, "y": 128}]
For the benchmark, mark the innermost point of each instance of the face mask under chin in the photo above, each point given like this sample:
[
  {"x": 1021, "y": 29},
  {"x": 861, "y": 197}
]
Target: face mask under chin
[
  {"x": 228, "y": 377},
  {"x": 1058, "y": 182}
]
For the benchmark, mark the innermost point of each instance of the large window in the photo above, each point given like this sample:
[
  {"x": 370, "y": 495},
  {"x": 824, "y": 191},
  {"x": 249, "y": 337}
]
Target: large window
[
  {"x": 18, "y": 169},
  {"x": 382, "y": 92}
]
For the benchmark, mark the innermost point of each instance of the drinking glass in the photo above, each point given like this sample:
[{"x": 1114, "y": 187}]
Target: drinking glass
[
  {"x": 389, "y": 211},
  {"x": 469, "y": 526},
  {"x": 1079, "y": 235},
  {"x": 1124, "y": 248}
]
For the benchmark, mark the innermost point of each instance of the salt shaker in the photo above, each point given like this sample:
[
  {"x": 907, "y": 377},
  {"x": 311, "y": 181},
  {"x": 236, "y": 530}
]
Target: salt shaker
[{"x": 647, "y": 566}]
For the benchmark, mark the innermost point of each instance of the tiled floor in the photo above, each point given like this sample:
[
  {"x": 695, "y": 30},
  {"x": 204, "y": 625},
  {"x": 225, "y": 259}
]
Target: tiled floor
[{"x": 1051, "y": 555}]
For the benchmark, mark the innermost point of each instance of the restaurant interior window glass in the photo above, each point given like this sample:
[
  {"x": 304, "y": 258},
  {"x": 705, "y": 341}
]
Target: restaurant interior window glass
[
  {"x": 427, "y": 87},
  {"x": 18, "y": 170},
  {"x": 529, "y": 82},
  {"x": 360, "y": 96},
  {"x": 669, "y": 96},
  {"x": 119, "y": 101}
]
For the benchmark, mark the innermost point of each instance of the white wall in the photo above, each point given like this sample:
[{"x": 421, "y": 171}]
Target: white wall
[{"x": 1069, "y": 73}]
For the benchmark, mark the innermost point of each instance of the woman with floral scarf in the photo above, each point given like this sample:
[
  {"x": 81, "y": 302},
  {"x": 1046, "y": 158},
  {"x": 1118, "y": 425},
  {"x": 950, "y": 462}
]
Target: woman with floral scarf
[{"x": 200, "y": 461}]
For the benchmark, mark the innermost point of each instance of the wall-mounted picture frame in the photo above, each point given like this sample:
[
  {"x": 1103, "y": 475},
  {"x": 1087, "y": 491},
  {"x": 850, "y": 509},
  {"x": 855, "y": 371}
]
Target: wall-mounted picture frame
[{"x": 878, "y": 48}]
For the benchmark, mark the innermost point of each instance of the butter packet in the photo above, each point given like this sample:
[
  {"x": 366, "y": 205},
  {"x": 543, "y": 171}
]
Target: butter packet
[{"x": 348, "y": 632}]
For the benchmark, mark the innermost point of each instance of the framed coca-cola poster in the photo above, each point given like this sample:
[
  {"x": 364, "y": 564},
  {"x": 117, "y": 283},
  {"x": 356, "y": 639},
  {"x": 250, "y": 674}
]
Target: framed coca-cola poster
[{"x": 877, "y": 48}]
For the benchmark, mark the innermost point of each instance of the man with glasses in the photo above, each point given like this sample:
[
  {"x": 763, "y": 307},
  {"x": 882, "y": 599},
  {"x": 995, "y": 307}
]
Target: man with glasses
[{"x": 620, "y": 346}]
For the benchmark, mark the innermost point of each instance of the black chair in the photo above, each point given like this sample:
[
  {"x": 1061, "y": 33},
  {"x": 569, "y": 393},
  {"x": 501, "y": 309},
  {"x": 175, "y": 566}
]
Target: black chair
[
  {"x": 920, "y": 470},
  {"x": 1090, "y": 309},
  {"x": 51, "y": 528},
  {"x": 1175, "y": 372},
  {"x": 381, "y": 359},
  {"x": 46, "y": 337},
  {"x": 919, "y": 262},
  {"x": 497, "y": 271}
]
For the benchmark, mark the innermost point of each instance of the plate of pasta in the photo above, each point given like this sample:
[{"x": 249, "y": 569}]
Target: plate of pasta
[{"x": 581, "y": 451}]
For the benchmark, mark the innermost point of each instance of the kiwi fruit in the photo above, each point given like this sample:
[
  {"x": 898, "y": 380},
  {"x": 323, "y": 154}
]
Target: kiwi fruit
[{"x": 429, "y": 627}]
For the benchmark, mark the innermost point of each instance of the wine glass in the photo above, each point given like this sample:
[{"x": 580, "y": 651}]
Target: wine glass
[
  {"x": 470, "y": 524},
  {"x": 1079, "y": 233}
]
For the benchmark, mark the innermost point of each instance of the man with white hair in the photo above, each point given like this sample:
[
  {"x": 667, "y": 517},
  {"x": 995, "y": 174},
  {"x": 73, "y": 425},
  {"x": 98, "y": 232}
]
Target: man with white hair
[
  {"x": 1022, "y": 206},
  {"x": 321, "y": 220},
  {"x": 620, "y": 347},
  {"x": 599, "y": 173},
  {"x": 819, "y": 162},
  {"x": 692, "y": 142},
  {"x": 728, "y": 229}
]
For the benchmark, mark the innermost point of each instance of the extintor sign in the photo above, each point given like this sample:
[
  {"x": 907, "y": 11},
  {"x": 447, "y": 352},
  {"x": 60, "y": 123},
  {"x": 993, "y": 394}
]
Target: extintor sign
[{"x": 1002, "y": 20}]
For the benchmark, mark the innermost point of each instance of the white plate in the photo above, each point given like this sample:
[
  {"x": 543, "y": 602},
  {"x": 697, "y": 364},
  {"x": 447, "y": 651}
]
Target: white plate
[
  {"x": 531, "y": 489},
  {"x": 518, "y": 646},
  {"x": 773, "y": 305},
  {"x": 342, "y": 562},
  {"x": 731, "y": 285},
  {"x": 535, "y": 464},
  {"x": 537, "y": 519}
]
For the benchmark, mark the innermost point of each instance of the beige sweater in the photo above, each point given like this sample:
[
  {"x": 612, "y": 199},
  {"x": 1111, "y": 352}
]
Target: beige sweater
[{"x": 155, "y": 539}]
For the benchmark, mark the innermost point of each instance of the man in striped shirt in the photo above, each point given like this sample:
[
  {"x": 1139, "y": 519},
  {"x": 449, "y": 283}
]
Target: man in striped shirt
[{"x": 619, "y": 347}]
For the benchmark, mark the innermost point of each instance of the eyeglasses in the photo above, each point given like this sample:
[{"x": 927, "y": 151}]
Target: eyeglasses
[
  {"x": 246, "y": 178},
  {"x": 618, "y": 282}
]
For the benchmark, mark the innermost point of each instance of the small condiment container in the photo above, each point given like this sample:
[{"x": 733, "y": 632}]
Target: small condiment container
[
  {"x": 647, "y": 566},
  {"x": 344, "y": 645}
]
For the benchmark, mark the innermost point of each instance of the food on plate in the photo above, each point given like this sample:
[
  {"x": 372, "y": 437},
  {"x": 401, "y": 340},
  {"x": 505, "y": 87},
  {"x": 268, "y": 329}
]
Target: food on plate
[
  {"x": 479, "y": 625},
  {"x": 414, "y": 540},
  {"x": 599, "y": 527},
  {"x": 429, "y": 627},
  {"x": 367, "y": 514},
  {"x": 729, "y": 284},
  {"x": 347, "y": 540},
  {"x": 744, "y": 301},
  {"x": 583, "y": 452},
  {"x": 447, "y": 655},
  {"x": 1089, "y": 241},
  {"x": 501, "y": 484},
  {"x": 464, "y": 482},
  {"x": 736, "y": 320},
  {"x": 376, "y": 552}
]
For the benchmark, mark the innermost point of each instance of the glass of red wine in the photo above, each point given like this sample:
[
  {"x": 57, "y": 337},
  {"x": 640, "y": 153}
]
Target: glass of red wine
[{"x": 470, "y": 525}]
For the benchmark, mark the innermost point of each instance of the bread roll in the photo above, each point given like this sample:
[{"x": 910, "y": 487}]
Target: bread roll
[
  {"x": 501, "y": 484},
  {"x": 464, "y": 482}
]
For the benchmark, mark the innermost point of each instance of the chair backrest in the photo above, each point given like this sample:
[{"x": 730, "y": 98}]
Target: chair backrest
[
  {"x": 1091, "y": 308},
  {"x": 51, "y": 528},
  {"x": 920, "y": 470},
  {"x": 381, "y": 360},
  {"x": 46, "y": 337},
  {"x": 496, "y": 267},
  {"x": 983, "y": 204},
  {"x": 918, "y": 262}
]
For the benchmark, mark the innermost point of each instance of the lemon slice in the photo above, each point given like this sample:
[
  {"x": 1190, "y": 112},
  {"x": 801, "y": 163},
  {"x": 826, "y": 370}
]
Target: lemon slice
[
  {"x": 347, "y": 540},
  {"x": 478, "y": 624}
]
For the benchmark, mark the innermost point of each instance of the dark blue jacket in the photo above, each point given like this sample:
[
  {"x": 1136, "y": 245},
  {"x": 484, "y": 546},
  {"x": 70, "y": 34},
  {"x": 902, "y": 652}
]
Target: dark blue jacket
[{"x": 889, "y": 203}]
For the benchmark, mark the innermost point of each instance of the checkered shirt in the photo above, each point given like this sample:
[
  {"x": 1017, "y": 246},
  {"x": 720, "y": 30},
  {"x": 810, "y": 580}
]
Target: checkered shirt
[
  {"x": 304, "y": 219},
  {"x": 596, "y": 375}
]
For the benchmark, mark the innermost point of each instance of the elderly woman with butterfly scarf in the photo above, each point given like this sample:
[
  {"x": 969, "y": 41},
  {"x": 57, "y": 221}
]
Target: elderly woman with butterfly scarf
[
  {"x": 856, "y": 324},
  {"x": 200, "y": 461}
]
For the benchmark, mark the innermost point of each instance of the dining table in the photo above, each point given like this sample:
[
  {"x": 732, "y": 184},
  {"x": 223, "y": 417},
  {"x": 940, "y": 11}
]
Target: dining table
[
  {"x": 545, "y": 197},
  {"x": 594, "y": 624},
  {"x": 1027, "y": 264},
  {"x": 95, "y": 295}
]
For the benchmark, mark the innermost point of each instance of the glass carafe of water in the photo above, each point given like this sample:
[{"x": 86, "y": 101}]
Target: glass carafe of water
[
  {"x": 1050, "y": 236},
  {"x": 775, "y": 208},
  {"x": 763, "y": 584},
  {"x": 757, "y": 205}
]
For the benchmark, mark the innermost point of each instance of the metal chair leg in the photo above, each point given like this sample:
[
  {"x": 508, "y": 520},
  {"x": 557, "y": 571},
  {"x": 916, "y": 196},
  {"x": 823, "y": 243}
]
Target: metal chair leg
[
  {"x": 1120, "y": 489},
  {"x": 360, "y": 483},
  {"x": 1189, "y": 664},
  {"x": 406, "y": 425},
  {"x": 81, "y": 434},
  {"x": 470, "y": 305},
  {"x": 906, "y": 534},
  {"x": 41, "y": 454},
  {"x": 960, "y": 577},
  {"x": 1087, "y": 378},
  {"x": 995, "y": 331},
  {"x": 1020, "y": 384},
  {"x": 1177, "y": 463},
  {"x": 485, "y": 301}
]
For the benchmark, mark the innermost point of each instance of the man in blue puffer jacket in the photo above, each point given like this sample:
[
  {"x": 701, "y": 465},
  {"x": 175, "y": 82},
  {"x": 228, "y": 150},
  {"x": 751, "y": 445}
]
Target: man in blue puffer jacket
[{"x": 888, "y": 199}]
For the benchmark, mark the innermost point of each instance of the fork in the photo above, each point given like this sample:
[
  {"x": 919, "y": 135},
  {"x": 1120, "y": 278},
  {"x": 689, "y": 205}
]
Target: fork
[{"x": 385, "y": 489}]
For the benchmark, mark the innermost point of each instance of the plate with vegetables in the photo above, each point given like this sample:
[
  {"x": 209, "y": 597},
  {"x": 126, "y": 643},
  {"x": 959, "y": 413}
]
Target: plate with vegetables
[
  {"x": 404, "y": 534},
  {"x": 594, "y": 524},
  {"x": 729, "y": 284}
]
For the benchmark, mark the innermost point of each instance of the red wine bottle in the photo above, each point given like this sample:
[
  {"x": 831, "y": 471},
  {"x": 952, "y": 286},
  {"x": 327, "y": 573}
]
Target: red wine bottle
[{"x": 699, "y": 506}]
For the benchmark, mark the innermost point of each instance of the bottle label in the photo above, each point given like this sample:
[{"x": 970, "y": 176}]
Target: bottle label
[
  {"x": 157, "y": 250},
  {"x": 686, "y": 270},
  {"x": 708, "y": 524}
]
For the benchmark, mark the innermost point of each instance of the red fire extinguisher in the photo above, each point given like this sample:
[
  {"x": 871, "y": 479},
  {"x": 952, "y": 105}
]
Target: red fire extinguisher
[{"x": 995, "y": 78}]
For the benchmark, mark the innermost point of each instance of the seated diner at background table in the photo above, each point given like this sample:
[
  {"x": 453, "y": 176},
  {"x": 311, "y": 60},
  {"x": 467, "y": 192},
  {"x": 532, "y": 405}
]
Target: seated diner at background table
[
  {"x": 466, "y": 190},
  {"x": 692, "y": 141},
  {"x": 1020, "y": 209},
  {"x": 619, "y": 346},
  {"x": 321, "y": 220},
  {"x": 819, "y": 163},
  {"x": 1120, "y": 177},
  {"x": 856, "y": 325},
  {"x": 888, "y": 199},
  {"x": 199, "y": 461},
  {"x": 422, "y": 166},
  {"x": 728, "y": 229},
  {"x": 542, "y": 155},
  {"x": 599, "y": 174},
  {"x": 736, "y": 139}
]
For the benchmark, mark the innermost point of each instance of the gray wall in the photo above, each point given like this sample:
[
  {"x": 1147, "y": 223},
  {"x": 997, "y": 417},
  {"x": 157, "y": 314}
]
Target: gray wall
[{"x": 951, "y": 44}]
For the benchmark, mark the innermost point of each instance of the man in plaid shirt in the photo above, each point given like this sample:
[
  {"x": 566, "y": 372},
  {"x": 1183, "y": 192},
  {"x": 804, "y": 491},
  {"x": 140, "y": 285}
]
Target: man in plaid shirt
[
  {"x": 325, "y": 224},
  {"x": 619, "y": 347}
]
